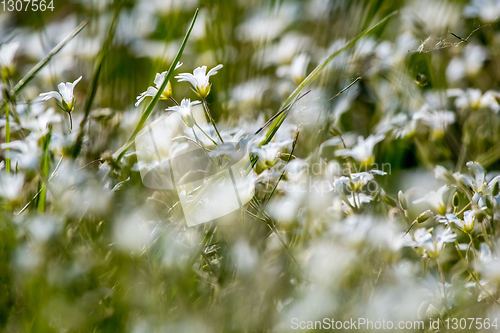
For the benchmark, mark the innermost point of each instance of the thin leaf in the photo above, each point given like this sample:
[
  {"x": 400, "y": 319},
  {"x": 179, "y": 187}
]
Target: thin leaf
[
  {"x": 313, "y": 75},
  {"x": 120, "y": 152}
]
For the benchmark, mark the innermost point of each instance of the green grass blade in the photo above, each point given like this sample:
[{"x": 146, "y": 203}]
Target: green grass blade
[
  {"x": 45, "y": 171},
  {"x": 31, "y": 74},
  {"x": 95, "y": 80},
  {"x": 120, "y": 152},
  {"x": 313, "y": 75}
]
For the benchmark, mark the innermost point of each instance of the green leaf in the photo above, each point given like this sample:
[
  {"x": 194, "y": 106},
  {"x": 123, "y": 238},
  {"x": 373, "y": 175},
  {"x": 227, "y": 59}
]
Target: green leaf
[{"x": 120, "y": 152}]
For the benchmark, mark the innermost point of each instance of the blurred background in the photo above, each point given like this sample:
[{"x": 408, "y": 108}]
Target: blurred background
[{"x": 110, "y": 255}]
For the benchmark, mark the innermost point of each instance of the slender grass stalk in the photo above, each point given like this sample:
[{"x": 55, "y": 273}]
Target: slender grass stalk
[
  {"x": 7, "y": 138},
  {"x": 209, "y": 116},
  {"x": 208, "y": 136},
  {"x": 45, "y": 171},
  {"x": 95, "y": 80},
  {"x": 31, "y": 74},
  {"x": 314, "y": 74},
  {"x": 120, "y": 152}
]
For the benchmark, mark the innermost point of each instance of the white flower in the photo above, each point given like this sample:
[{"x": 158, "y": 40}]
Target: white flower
[
  {"x": 474, "y": 99},
  {"x": 10, "y": 185},
  {"x": 438, "y": 121},
  {"x": 7, "y": 53},
  {"x": 363, "y": 151},
  {"x": 25, "y": 152},
  {"x": 268, "y": 154},
  {"x": 432, "y": 241},
  {"x": 466, "y": 225},
  {"x": 152, "y": 91},
  {"x": 184, "y": 110},
  {"x": 435, "y": 199},
  {"x": 64, "y": 96},
  {"x": 356, "y": 181},
  {"x": 199, "y": 79},
  {"x": 297, "y": 69}
]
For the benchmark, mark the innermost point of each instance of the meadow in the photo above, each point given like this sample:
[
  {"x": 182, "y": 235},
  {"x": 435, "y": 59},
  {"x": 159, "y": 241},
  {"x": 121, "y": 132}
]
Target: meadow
[{"x": 249, "y": 166}]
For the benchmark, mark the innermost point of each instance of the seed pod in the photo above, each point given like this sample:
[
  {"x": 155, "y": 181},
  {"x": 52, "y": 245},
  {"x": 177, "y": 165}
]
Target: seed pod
[
  {"x": 402, "y": 200},
  {"x": 424, "y": 216},
  {"x": 456, "y": 200},
  {"x": 495, "y": 189},
  {"x": 387, "y": 199}
]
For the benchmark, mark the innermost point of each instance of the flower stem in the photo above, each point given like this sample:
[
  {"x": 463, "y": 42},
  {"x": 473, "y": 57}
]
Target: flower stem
[
  {"x": 70, "y": 122},
  {"x": 208, "y": 136},
  {"x": 209, "y": 116}
]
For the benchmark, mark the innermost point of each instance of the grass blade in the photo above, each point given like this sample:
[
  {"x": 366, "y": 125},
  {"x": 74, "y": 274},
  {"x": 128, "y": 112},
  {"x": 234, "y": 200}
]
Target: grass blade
[
  {"x": 120, "y": 152},
  {"x": 313, "y": 75},
  {"x": 94, "y": 81},
  {"x": 31, "y": 74}
]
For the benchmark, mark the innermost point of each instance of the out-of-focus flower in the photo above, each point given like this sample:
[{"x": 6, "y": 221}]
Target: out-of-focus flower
[
  {"x": 268, "y": 154},
  {"x": 356, "y": 181},
  {"x": 39, "y": 120},
  {"x": 435, "y": 199},
  {"x": 25, "y": 152},
  {"x": 297, "y": 69},
  {"x": 184, "y": 110},
  {"x": 487, "y": 10},
  {"x": 432, "y": 241},
  {"x": 64, "y": 96},
  {"x": 10, "y": 185},
  {"x": 199, "y": 79},
  {"x": 363, "y": 151},
  {"x": 473, "y": 99},
  {"x": 7, "y": 53},
  {"x": 152, "y": 91},
  {"x": 438, "y": 121},
  {"x": 468, "y": 65}
]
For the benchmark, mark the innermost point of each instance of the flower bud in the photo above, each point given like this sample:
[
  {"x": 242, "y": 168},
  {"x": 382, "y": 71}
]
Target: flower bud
[
  {"x": 387, "y": 199},
  {"x": 402, "y": 200},
  {"x": 456, "y": 200},
  {"x": 495, "y": 189},
  {"x": 424, "y": 216}
]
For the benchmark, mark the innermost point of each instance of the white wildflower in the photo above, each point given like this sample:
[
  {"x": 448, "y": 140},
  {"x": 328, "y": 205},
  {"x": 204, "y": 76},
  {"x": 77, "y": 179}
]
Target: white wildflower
[
  {"x": 184, "y": 110},
  {"x": 152, "y": 91},
  {"x": 199, "y": 79},
  {"x": 64, "y": 96},
  {"x": 7, "y": 53},
  {"x": 435, "y": 199},
  {"x": 363, "y": 151}
]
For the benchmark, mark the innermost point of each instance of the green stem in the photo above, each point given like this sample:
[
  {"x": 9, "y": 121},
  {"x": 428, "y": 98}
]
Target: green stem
[
  {"x": 45, "y": 171},
  {"x": 209, "y": 116},
  {"x": 7, "y": 139},
  {"x": 208, "y": 136}
]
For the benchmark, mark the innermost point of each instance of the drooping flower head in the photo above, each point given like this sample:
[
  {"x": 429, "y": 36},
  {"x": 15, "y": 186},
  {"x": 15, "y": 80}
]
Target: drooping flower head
[
  {"x": 64, "y": 96},
  {"x": 152, "y": 91},
  {"x": 199, "y": 79},
  {"x": 7, "y": 53},
  {"x": 184, "y": 110}
]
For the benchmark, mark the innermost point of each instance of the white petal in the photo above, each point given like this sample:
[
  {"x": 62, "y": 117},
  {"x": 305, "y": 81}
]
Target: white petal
[
  {"x": 214, "y": 70},
  {"x": 51, "y": 94}
]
